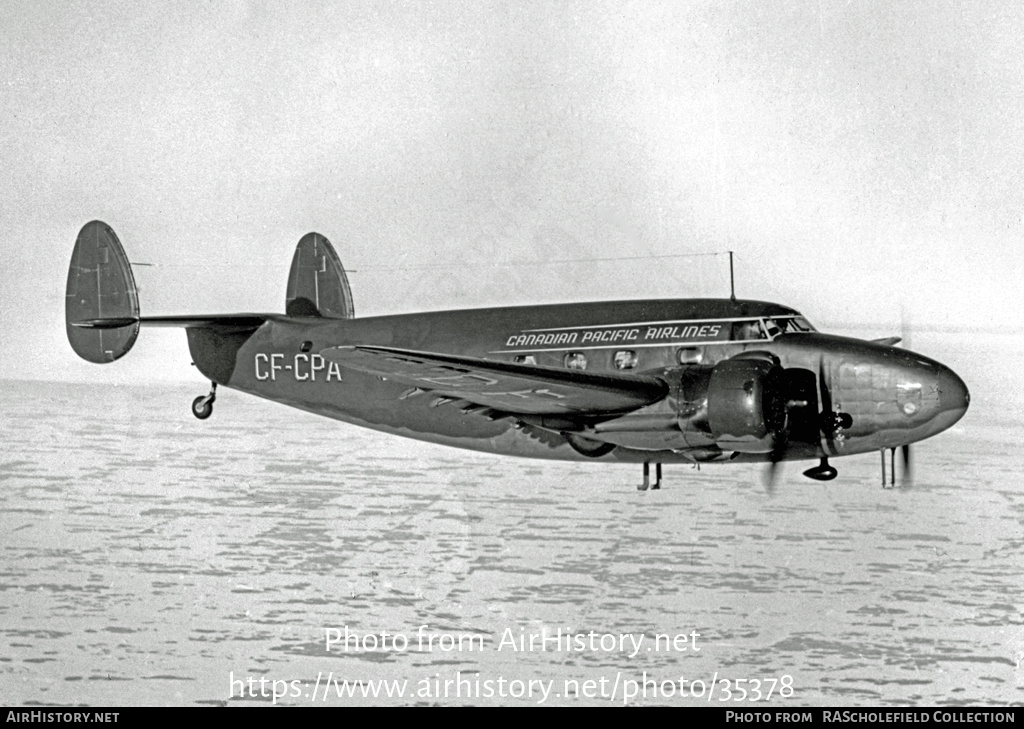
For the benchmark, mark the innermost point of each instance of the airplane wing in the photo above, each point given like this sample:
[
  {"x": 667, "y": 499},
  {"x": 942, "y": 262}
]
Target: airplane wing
[{"x": 513, "y": 388}]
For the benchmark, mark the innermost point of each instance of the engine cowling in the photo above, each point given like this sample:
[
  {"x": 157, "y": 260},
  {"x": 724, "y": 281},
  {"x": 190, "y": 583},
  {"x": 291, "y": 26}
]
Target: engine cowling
[
  {"x": 737, "y": 405},
  {"x": 746, "y": 404}
]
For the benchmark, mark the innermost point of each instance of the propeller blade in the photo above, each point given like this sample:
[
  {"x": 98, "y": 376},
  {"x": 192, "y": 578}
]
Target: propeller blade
[
  {"x": 826, "y": 396},
  {"x": 908, "y": 471},
  {"x": 826, "y": 407},
  {"x": 777, "y": 456},
  {"x": 770, "y": 477},
  {"x": 906, "y": 329}
]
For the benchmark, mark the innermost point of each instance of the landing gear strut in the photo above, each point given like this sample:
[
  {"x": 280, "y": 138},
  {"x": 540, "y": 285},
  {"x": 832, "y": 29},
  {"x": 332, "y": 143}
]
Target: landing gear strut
[
  {"x": 647, "y": 477},
  {"x": 822, "y": 472},
  {"x": 202, "y": 406}
]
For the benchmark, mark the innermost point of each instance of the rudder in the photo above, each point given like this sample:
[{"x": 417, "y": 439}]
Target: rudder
[
  {"x": 317, "y": 284},
  {"x": 100, "y": 287}
]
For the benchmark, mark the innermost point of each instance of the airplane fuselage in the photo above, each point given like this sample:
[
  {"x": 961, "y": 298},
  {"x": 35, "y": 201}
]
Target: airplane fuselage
[
  {"x": 878, "y": 395},
  {"x": 694, "y": 380}
]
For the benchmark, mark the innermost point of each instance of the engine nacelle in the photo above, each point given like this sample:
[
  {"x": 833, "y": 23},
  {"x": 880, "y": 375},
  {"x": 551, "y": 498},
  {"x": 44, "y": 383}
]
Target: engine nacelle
[
  {"x": 736, "y": 406},
  {"x": 746, "y": 404}
]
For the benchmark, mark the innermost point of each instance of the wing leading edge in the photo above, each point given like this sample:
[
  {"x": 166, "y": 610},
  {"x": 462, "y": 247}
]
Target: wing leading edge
[{"x": 512, "y": 388}]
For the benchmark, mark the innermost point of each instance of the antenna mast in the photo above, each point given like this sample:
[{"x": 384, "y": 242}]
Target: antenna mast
[{"x": 732, "y": 280}]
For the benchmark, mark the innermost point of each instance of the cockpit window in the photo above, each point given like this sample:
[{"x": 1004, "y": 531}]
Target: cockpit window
[
  {"x": 787, "y": 325},
  {"x": 746, "y": 330}
]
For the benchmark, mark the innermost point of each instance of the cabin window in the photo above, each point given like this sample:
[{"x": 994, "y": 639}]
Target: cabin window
[
  {"x": 689, "y": 355},
  {"x": 746, "y": 330},
  {"x": 625, "y": 359},
  {"x": 306, "y": 346},
  {"x": 576, "y": 361},
  {"x": 525, "y": 359}
]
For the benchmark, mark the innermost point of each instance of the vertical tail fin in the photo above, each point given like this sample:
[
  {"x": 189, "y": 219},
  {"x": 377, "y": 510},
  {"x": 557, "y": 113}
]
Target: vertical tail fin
[
  {"x": 317, "y": 284},
  {"x": 100, "y": 287}
]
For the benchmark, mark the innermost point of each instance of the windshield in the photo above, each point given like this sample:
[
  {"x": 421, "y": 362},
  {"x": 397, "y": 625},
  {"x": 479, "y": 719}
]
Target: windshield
[{"x": 787, "y": 325}]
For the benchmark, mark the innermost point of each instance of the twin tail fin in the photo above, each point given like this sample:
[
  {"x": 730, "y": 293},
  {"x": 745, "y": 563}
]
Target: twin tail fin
[
  {"x": 101, "y": 304},
  {"x": 100, "y": 288},
  {"x": 317, "y": 284}
]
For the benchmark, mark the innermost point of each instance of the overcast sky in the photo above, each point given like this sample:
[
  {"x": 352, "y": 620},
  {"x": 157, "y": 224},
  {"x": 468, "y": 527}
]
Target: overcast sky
[{"x": 861, "y": 158}]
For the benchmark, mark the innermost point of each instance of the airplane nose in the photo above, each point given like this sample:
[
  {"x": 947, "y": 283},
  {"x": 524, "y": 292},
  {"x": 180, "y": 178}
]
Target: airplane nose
[{"x": 953, "y": 394}]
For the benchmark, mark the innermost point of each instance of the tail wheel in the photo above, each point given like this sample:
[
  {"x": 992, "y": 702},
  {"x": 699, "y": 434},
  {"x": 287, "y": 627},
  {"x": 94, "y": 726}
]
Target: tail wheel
[{"x": 202, "y": 406}]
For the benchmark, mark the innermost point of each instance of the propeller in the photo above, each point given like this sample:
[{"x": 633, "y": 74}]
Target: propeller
[{"x": 830, "y": 425}]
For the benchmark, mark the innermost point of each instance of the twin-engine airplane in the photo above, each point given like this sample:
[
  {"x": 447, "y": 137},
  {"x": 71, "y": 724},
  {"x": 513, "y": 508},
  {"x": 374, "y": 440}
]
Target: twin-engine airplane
[{"x": 664, "y": 381}]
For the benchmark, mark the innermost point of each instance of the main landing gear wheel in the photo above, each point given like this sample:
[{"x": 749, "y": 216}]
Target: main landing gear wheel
[{"x": 202, "y": 406}]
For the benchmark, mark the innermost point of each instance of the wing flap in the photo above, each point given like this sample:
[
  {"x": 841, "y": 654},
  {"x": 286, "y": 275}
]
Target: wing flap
[{"x": 513, "y": 388}]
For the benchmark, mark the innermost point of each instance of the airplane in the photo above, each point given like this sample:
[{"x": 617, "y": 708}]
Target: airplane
[{"x": 693, "y": 381}]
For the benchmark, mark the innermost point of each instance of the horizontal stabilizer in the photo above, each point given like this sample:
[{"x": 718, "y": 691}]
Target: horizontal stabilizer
[
  {"x": 101, "y": 305},
  {"x": 100, "y": 287},
  {"x": 317, "y": 284},
  {"x": 514, "y": 388},
  {"x": 234, "y": 322}
]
